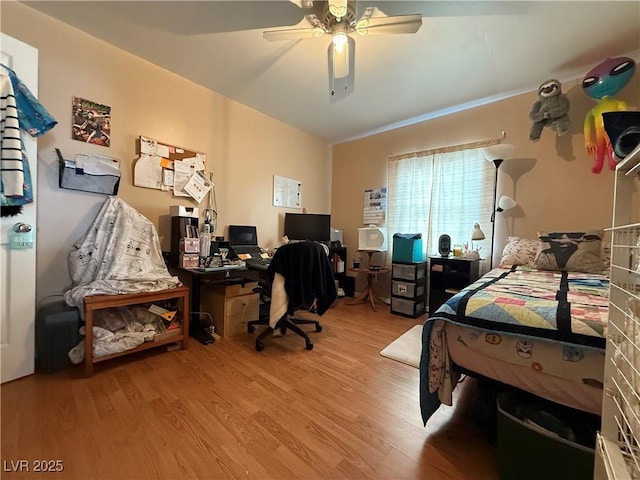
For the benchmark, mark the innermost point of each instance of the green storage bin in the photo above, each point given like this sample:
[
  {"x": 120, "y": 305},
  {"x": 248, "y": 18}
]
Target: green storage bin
[{"x": 529, "y": 451}]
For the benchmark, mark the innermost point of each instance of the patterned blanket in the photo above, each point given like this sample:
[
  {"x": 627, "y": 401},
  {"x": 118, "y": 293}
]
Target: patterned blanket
[
  {"x": 119, "y": 253},
  {"x": 566, "y": 307},
  {"x": 569, "y": 307}
]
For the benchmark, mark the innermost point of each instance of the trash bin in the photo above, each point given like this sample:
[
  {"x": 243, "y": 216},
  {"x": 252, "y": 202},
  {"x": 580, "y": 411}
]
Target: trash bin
[
  {"x": 57, "y": 332},
  {"x": 538, "y": 439}
]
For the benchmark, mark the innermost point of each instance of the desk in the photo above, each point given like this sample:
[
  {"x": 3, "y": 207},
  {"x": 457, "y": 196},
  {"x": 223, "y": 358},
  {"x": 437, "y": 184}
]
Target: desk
[
  {"x": 227, "y": 273},
  {"x": 368, "y": 292}
]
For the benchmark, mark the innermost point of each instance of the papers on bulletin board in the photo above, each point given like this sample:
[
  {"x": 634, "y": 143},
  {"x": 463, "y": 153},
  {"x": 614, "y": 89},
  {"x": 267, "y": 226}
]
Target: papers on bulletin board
[
  {"x": 198, "y": 186},
  {"x": 165, "y": 167},
  {"x": 375, "y": 206}
]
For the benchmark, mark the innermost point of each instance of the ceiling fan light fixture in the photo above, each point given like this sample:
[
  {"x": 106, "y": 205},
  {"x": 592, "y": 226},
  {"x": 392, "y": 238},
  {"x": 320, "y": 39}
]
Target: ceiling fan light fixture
[
  {"x": 362, "y": 27},
  {"x": 317, "y": 32},
  {"x": 341, "y": 58},
  {"x": 340, "y": 37},
  {"x": 338, "y": 8}
]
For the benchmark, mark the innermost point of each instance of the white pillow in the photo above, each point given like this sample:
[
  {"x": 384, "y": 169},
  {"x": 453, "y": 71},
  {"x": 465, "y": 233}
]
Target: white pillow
[{"x": 519, "y": 251}]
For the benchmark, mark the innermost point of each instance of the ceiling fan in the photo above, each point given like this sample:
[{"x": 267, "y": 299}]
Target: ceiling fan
[{"x": 338, "y": 18}]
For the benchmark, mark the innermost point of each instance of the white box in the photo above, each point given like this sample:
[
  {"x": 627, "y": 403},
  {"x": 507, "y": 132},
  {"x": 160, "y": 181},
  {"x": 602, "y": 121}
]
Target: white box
[
  {"x": 372, "y": 238},
  {"x": 182, "y": 211}
]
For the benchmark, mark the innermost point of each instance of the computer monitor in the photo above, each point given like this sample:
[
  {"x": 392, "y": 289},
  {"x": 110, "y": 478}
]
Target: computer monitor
[
  {"x": 308, "y": 226},
  {"x": 243, "y": 235}
]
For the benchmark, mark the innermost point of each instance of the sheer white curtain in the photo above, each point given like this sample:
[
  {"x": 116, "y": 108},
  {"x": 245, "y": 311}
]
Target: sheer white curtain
[{"x": 441, "y": 193}]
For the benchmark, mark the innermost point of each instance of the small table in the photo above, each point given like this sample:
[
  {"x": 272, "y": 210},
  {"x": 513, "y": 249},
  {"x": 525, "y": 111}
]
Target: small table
[{"x": 368, "y": 292}]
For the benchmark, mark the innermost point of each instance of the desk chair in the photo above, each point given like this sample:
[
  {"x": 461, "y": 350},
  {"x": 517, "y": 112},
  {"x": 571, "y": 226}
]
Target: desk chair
[{"x": 299, "y": 276}]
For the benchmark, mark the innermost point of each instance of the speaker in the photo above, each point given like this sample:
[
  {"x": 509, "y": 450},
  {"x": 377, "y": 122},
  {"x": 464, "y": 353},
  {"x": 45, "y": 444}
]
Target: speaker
[{"x": 444, "y": 245}]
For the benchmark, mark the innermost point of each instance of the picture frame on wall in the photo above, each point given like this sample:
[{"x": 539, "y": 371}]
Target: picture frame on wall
[{"x": 91, "y": 122}]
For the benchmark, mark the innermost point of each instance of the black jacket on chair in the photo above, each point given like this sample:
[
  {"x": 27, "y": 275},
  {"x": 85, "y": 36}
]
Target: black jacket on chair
[{"x": 308, "y": 275}]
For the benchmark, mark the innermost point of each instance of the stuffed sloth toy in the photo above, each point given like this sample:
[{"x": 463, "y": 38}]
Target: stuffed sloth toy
[{"x": 550, "y": 110}]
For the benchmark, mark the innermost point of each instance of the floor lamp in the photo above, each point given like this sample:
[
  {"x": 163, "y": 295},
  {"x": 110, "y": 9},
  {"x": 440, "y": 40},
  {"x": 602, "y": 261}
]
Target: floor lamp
[{"x": 496, "y": 154}]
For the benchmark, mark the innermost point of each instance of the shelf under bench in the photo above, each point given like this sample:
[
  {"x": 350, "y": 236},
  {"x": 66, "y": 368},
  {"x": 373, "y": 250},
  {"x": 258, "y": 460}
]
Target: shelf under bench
[{"x": 92, "y": 303}]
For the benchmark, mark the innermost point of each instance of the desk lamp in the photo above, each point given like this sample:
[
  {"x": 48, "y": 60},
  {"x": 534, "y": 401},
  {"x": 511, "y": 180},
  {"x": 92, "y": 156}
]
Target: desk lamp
[{"x": 476, "y": 235}]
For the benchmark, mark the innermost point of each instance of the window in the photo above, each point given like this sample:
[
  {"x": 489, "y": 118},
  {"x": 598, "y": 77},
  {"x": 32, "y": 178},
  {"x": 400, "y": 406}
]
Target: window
[{"x": 442, "y": 193}]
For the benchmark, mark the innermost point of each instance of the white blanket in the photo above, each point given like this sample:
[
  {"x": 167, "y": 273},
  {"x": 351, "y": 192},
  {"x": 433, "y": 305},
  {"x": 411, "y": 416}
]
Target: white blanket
[
  {"x": 279, "y": 300},
  {"x": 120, "y": 253}
]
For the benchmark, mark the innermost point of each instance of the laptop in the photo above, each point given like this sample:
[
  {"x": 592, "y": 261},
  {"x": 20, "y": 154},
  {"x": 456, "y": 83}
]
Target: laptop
[{"x": 243, "y": 240}]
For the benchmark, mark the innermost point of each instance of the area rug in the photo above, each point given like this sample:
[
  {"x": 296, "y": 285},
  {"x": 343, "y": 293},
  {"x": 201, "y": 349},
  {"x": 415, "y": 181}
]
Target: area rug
[{"x": 406, "y": 348}]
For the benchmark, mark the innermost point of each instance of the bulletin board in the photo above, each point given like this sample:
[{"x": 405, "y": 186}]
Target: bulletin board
[
  {"x": 287, "y": 192},
  {"x": 163, "y": 166}
]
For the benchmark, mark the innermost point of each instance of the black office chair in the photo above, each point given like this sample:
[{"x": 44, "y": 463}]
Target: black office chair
[{"x": 299, "y": 276}]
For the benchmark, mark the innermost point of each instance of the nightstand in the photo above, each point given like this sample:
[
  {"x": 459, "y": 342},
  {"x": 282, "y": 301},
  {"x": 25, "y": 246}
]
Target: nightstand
[{"x": 449, "y": 275}]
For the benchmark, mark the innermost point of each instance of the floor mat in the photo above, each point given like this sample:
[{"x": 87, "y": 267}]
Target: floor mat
[{"x": 406, "y": 348}]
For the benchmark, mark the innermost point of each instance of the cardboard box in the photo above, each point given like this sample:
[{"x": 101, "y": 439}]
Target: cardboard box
[
  {"x": 182, "y": 211},
  {"x": 189, "y": 260},
  {"x": 189, "y": 245}
]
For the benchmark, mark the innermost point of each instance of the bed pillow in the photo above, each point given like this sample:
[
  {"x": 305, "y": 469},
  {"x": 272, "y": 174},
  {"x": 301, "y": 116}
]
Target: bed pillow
[
  {"x": 570, "y": 251},
  {"x": 519, "y": 251}
]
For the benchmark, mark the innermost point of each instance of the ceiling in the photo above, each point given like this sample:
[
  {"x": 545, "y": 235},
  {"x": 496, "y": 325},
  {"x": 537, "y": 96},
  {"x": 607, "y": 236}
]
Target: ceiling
[{"x": 466, "y": 53}]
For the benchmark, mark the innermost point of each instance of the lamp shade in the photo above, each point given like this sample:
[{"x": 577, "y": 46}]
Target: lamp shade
[
  {"x": 500, "y": 151},
  {"x": 477, "y": 233},
  {"x": 505, "y": 203}
]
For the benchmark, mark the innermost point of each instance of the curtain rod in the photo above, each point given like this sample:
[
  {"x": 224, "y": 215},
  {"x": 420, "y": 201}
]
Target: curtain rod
[{"x": 452, "y": 148}]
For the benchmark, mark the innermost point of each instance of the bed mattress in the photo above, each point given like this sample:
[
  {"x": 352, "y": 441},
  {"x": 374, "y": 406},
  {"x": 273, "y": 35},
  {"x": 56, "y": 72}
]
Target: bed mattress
[{"x": 568, "y": 375}]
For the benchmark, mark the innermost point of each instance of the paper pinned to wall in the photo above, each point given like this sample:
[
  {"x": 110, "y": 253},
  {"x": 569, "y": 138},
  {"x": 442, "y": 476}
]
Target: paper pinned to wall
[
  {"x": 375, "y": 206},
  {"x": 287, "y": 192},
  {"x": 198, "y": 186}
]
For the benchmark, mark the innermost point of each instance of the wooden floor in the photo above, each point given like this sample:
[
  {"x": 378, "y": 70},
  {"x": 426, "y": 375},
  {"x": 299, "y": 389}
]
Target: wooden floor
[{"x": 226, "y": 411}]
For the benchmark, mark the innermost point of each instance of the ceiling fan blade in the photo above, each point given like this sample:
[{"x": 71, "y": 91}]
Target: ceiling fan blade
[
  {"x": 293, "y": 34},
  {"x": 384, "y": 25}
]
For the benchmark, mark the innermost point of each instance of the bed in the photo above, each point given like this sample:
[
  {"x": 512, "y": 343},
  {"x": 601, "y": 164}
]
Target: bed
[{"x": 537, "y": 323}]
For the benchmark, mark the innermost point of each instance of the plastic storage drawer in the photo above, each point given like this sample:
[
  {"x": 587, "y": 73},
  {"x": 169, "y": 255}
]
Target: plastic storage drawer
[
  {"x": 409, "y": 290},
  {"x": 412, "y": 272},
  {"x": 407, "y": 308}
]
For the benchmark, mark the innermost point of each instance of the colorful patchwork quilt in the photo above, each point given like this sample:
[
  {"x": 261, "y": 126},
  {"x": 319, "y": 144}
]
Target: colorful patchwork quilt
[{"x": 570, "y": 307}]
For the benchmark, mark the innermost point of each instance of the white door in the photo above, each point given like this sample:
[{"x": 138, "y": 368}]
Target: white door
[{"x": 18, "y": 266}]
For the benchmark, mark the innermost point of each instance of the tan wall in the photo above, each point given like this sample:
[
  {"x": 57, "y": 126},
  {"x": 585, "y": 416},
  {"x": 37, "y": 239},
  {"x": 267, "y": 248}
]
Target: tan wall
[
  {"x": 244, "y": 148},
  {"x": 550, "y": 179}
]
